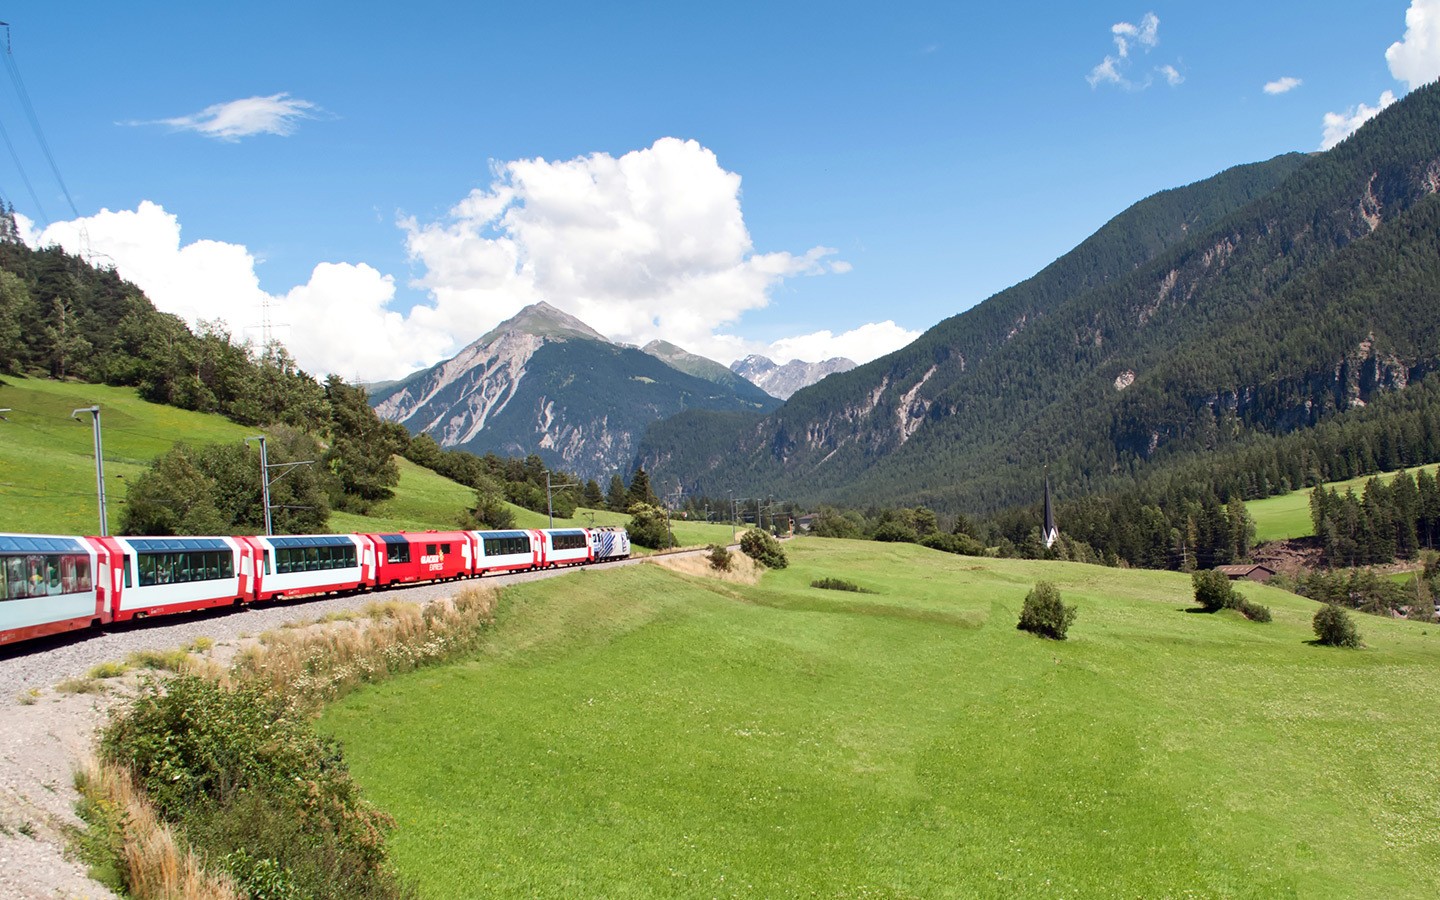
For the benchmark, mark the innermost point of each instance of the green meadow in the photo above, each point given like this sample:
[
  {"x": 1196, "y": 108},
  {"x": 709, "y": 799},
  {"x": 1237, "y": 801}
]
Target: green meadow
[
  {"x": 635, "y": 732},
  {"x": 1288, "y": 515},
  {"x": 47, "y": 459}
]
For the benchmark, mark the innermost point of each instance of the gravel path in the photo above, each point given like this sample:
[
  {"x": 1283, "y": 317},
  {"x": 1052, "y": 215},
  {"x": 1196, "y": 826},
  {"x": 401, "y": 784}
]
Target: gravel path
[{"x": 45, "y": 733}]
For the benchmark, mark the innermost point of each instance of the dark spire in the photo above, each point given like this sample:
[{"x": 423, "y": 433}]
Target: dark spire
[{"x": 1049, "y": 533}]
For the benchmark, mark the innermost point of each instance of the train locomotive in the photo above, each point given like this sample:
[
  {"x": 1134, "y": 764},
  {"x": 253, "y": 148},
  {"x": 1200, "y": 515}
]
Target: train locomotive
[{"x": 50, "y": 584}]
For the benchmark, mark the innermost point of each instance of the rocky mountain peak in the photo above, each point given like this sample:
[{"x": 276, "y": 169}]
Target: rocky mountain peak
[
  {"x": 783, "y": 381},
  {"x": 544, "y": 321}
]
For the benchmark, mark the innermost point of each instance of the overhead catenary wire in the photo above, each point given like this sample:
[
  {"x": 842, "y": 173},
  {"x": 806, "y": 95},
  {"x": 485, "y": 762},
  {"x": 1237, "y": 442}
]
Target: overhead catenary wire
[
  {"x": 29, "y": 109},
  {"x": 24, "y": 178}
]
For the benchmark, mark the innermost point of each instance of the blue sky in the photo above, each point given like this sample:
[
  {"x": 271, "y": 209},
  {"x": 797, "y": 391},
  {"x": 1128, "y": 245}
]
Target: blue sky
[{"x": 796, "y": 179}]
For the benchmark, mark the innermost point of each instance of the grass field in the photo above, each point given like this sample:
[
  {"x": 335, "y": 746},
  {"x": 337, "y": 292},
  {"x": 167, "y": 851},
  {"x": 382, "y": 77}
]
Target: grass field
[
  {"x": 1288, "y": 515},
  {"x": 635, "y": 733},
  {"x": 47, "y": 461}
]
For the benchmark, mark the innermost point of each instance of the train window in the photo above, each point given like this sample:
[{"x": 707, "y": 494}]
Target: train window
[
  {"x": 44, "y": 575},
  {"x": 397, "y": 553},
  {"x": 178, "y": 568},
  {"x": 125, "y": 564},
  {"x": 429, "y": 549},
  {"x": 15, "y": 587},
  {"x": 506, "y": 546},
  {"x": 445, "y": 548},
  {"x": 568, "y": 541}
]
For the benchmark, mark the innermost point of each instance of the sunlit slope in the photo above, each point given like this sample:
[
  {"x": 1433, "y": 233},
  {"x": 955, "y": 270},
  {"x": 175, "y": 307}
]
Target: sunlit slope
[
  {"x": 47, "y": 459},
  {"x": 636, "y": 733},
  {"x": 1288, "y": 515},
  {"x": 47, "y": 462},
  {"x": 47, "y": 467}
]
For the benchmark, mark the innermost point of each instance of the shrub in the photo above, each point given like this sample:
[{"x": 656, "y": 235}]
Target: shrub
[
  {"x": 243, "y": 770},
  {"x": 1253, "y": 611},
  {"x": 1044, "y": 613},
  {"x": 720, "y": 558},
  {"x": 650, "y": 527},
  {"x": 1213, "y": 591},
  {"x": 764, "y": 549},
  {"x": 108, "y": 670},
  {"x": 169, "y": 660},
  {"x": 81, "y": 686},
  {"x": 837, "y": 584},
  {"x": 1334, "y": 627}
]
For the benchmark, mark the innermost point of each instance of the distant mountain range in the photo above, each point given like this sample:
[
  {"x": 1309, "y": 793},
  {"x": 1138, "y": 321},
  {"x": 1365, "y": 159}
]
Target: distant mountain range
[
  {"x": 783, "y": 381},
  {"x": 544, "y": 382},
  {"x": 1265, "y": 300}
]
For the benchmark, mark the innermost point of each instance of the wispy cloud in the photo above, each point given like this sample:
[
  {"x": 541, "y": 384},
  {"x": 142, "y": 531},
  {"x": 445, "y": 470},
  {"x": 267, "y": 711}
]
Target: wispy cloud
[
  {"x": 275, "y": 114},
  {"x": 1339, "y": 126},
  {"x": 1116, "y": 68},
  {"x": 1282, "y": 85}
]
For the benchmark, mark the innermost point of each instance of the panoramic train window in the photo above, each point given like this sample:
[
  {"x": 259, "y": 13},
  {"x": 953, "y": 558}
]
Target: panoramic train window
[
  {"x": 312, "y": 559},
  {"x": 574, "y": 540},
  {"x": 505, "y": 546},
  {"x": 185, "y": 566},
  {"x": 43, "y": 575}
]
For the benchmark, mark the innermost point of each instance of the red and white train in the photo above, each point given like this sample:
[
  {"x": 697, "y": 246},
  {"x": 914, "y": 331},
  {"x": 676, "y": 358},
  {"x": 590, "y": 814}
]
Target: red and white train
[{"x": 51, "y": 584}]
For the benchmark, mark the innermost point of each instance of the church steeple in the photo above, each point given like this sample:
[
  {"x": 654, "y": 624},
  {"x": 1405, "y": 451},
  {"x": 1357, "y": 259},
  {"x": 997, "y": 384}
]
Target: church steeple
[{"x": 1049, "y": 533}]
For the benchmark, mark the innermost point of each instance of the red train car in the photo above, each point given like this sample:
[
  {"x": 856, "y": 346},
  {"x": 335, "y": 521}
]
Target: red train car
[
  {"x": 411, "y": 557},
  {"x": 567, "y": 547}
]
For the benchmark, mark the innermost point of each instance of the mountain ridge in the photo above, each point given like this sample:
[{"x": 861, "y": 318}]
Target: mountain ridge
[
  {"x": 784, "y": 380},
  {"x": 544, "y": 382},
  {"x": 1114, "y": 355}
]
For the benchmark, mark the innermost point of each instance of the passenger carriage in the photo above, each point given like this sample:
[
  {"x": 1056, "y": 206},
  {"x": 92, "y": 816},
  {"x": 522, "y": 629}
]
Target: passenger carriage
[
  {"x": 410, "y": 558},
  {"x": 566, "y": 547},
  {"x": 149, "y": 576},
  {"x": 507, "y": 551},
  {"x": 47, "y": 586},
  {"x": 311, "y": 564}
]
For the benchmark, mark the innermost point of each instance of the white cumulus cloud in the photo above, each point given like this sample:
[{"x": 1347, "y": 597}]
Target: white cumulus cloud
[
  {"x": 275, "y": 114},
  {"x": 1115, "y": 68},
  {"x": 859, "y": 344},
  {"x": 1339, "y": 126},
  {"x": 651, "y": 244},
  {"x": 1415, "y": 59},
  {"x": 336, "y": 322},
  {"x": 1282, "y": 85}
]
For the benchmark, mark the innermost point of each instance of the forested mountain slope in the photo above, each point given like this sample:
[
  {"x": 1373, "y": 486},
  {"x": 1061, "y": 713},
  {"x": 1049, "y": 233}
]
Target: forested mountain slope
[{"x": 1265, "y": 298}]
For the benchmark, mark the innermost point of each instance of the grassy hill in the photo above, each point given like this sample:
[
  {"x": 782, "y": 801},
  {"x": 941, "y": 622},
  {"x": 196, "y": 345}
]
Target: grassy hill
[
  {"x": 47, "y": 466},
  {"x": 1288, "y": 515},
  {"x": 635, "y": 732},
  {"x": 47, "y": 462}
]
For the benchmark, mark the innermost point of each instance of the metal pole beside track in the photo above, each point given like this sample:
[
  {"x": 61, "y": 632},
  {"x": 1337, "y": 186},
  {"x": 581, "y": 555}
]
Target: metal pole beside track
[
  {"x": 94, "y": 412},
  {"x": 264, "y": 482}
]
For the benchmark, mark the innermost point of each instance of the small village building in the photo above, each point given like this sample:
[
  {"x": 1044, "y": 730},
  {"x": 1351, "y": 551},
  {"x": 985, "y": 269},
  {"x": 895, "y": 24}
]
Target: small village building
[{"x": 1250, "y": 571}]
